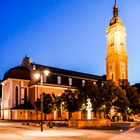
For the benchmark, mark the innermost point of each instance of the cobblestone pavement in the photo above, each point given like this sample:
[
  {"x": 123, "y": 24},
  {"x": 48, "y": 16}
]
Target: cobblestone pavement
[
  {"x": 131, "y": 134},
  {"x": 18, "y": 131}
]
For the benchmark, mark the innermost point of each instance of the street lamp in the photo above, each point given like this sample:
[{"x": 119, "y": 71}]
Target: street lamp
[{"x": 37, "y": 76}]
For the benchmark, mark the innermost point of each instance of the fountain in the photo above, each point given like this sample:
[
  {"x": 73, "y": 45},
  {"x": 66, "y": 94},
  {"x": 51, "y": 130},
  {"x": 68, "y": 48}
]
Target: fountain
[{"x": 89, "y": 108}]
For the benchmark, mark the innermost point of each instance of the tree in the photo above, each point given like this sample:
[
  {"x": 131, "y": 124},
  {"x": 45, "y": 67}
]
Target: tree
[
  {"x": 48, "y": 104},
  {"x": 121, "y": 103},
  {"x": 133, "y": 97},
  {"x": 109, "y": 95},
  {"x": 92, "y": 92},
  {"x": 57, "y": 101},
  {"x": 70, "y": 101},
  {"x": 112, "y": 96}
]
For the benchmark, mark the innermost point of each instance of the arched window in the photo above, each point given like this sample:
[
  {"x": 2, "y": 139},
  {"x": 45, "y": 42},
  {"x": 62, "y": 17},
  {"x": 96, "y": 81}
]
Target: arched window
[
  {"x": 16, "y": 95},
  {"x": 25, "y": 95}
]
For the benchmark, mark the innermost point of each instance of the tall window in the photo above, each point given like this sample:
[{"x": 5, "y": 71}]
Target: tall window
[
  {"x": 70, "y": 81},
  {"x": 16, "y": 95},
  {"x": 112, "y": 41},
  {"x": 123, "y": 75},
  {"x": 25, "y": 95},
  {"x": 83, "y": 82},
  {"x": 59, "y": 80}
]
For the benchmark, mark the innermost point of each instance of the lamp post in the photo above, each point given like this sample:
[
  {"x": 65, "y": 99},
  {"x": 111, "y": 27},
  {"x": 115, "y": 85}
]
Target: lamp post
[
  {"x": 37, "y": 76},
  {"x": 41, "y": 98}
]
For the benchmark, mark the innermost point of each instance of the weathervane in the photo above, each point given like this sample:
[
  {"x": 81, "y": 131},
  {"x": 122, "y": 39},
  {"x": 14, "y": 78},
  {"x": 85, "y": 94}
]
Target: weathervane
[
  {"x": 115, "y": 12},
  {"x": 115, "y": 2}
]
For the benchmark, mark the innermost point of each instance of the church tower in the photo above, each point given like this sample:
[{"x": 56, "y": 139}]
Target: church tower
[{"x": 116, "y": 57}]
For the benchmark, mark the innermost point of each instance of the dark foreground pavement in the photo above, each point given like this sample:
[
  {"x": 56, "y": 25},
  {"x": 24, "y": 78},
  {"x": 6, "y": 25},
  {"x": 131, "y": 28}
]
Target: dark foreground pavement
[{"x": 17, "y": 131}]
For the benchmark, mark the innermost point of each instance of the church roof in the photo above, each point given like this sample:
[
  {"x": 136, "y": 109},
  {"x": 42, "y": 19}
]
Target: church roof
[
  {"x": 26, "y": 72},
  {"x": 59, "y": 71},
  {"x": 115, "y": 18},
  {"x": 19, "y": 72}
]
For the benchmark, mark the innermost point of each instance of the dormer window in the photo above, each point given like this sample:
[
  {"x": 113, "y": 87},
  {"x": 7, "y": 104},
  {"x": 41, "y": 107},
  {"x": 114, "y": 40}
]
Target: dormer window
[
  {"x": 70, "y": 81},
  {"x": 94, "y": 82},
  {"x": 58, "y": 80},
  {"x": 83, "y": 83}
]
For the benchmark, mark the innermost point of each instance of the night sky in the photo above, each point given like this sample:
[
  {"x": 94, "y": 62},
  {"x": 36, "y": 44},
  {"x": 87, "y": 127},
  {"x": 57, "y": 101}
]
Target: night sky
[{"x": 68, "y": 34}]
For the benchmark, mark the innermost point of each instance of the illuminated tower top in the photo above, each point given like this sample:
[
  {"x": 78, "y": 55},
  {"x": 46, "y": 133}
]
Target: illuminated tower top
[
  {"x": 115, "y": 12},
  {"x": 116, "y": 57},
  {"x": 115, "y": 18}
]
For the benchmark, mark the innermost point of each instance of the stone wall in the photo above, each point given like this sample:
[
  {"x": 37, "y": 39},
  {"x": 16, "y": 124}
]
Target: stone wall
[{"x": 89, "y": 123}]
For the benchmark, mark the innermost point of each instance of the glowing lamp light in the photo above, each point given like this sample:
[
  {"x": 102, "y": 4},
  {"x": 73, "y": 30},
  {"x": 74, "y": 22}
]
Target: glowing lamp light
[
  {"x": 104, "y": 106},
  {"x": 46, "y": 72},
  {"x": 37, "y": 75}
]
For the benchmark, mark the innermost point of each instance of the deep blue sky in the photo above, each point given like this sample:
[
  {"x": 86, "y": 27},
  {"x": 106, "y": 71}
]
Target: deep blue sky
[{"x": 69, "y": 34}]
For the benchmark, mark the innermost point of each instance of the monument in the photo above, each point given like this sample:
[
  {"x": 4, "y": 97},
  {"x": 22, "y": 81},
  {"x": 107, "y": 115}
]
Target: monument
[{"x": 89, "y": 109}]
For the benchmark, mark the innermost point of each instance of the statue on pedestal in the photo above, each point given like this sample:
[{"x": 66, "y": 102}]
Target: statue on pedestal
[{"x": 89, "y": 108}]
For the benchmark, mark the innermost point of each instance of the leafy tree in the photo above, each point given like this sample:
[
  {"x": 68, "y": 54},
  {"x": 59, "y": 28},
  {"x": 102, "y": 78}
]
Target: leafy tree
[
  {"x": 110, "y": 93},
  {"x": 133, "y": 97},
  {"x": 47, "y": 104},
  {"x": 85, "y": 91},
  {"x": 137, "y": 85},
  {"x": 70, "y": 101},
  {"x": 92, "y": 92},
  {"x": 38, "y": 104},
  {"x": 122, "y": 102},
  {"x": 57, "y": 101}
]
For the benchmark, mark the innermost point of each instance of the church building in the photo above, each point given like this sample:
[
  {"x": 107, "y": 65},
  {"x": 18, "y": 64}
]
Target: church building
[{"x": 20, "y": 89}]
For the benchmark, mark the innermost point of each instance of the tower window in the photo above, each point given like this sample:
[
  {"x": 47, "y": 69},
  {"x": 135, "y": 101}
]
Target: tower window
[
  {"x": 123, "y": 75},
  {"x": 112, "y": 76}
]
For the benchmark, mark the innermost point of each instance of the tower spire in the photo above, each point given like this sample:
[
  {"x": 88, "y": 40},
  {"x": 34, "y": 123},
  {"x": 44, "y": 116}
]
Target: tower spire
[{"x": 115, "y": 11}]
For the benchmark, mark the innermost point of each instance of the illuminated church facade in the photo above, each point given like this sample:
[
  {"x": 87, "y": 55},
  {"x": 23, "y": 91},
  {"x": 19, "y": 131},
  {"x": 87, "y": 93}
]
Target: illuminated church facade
[{"x": 20, "y": 90}]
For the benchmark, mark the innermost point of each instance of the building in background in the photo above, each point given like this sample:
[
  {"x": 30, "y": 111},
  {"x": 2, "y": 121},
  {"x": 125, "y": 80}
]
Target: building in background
[
  {"x": 116, "y": 58},
  {"x": 20, "y": 89}
]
